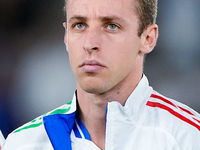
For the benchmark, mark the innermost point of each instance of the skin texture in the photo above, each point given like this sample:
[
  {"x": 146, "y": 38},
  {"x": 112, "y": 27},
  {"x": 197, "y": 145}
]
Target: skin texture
[{"x": 106, "y": 55}]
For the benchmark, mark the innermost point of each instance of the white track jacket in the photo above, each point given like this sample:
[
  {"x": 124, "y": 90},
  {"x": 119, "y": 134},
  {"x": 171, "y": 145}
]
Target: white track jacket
[{"x": 147, "y": 121}]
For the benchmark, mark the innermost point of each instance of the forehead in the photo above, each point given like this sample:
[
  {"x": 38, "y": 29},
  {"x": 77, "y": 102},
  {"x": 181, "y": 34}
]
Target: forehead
[{"x": 99, "y": 8}]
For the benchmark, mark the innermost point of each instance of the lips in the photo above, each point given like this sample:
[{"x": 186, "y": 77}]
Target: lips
[{"x": 91, "y": 66}]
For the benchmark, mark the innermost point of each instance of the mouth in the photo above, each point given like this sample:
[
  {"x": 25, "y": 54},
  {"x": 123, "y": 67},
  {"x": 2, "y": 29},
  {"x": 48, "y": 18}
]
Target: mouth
[{"x": 91, "y": 66}]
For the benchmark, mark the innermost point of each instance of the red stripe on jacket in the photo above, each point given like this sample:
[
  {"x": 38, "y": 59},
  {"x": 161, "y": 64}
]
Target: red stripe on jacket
[{"x": 178, "y": 115}]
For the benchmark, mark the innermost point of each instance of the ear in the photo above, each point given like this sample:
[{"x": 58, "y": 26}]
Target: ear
[
  {"x": 65, "y": 38},
  {"x": 149, "y": 38}
]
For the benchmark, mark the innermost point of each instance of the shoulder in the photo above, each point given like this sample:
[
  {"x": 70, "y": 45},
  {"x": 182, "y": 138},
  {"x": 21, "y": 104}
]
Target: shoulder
[
  {"x": 33, "y": 134},
  {"x": 64, "y": 109},
  {"x": 176, "y": 118},
  {"x": 174, "y": 109}
]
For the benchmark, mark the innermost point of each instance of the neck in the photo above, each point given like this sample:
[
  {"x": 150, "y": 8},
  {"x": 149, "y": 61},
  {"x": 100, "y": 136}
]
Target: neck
[
  {"x": 92, "y": 108},
  {"x": 92, "y": 113}
]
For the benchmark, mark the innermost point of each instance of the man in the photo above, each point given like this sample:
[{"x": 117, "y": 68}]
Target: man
[{"x": 113, "y": 108}]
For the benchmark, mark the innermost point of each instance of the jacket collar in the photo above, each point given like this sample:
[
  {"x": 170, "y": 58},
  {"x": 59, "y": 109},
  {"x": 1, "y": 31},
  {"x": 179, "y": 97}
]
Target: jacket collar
[{"x": 136, "y": 102}]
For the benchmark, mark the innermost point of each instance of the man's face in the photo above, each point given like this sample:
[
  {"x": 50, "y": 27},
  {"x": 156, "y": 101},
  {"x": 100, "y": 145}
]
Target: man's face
[{"x": 102, "y": 41}]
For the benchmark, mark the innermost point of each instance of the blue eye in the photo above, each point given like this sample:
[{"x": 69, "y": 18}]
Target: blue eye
[
  {"x": 112, "y": 26},
  {"x": 79, "y": 26}
]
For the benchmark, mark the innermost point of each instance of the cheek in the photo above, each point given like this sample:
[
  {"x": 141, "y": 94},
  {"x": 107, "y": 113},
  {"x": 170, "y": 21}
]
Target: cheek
[
  {"x": 123, "y": 52},
  {"x": 123, "y": 58},
  {"x": 73, "y": 56},
  {"x": 73, "y": 47}
]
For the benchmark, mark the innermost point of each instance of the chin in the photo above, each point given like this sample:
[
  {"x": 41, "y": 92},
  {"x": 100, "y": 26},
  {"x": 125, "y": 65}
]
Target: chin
[
  {"x": 93, "y": 89},
  {"x": 94, "y": 85}
]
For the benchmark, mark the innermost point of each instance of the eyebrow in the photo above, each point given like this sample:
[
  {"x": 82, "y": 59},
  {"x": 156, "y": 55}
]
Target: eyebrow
[
  {"x": 81, "y": 18},
  {"x": 111, "y": 18},
  {"x": 103, "y": 19}
]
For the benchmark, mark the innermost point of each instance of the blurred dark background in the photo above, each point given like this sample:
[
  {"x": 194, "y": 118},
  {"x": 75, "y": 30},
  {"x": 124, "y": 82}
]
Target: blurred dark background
[{"x": 35, "y": 76}]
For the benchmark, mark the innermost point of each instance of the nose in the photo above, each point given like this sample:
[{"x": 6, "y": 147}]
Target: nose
[{"x": 92, "y": 40}]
